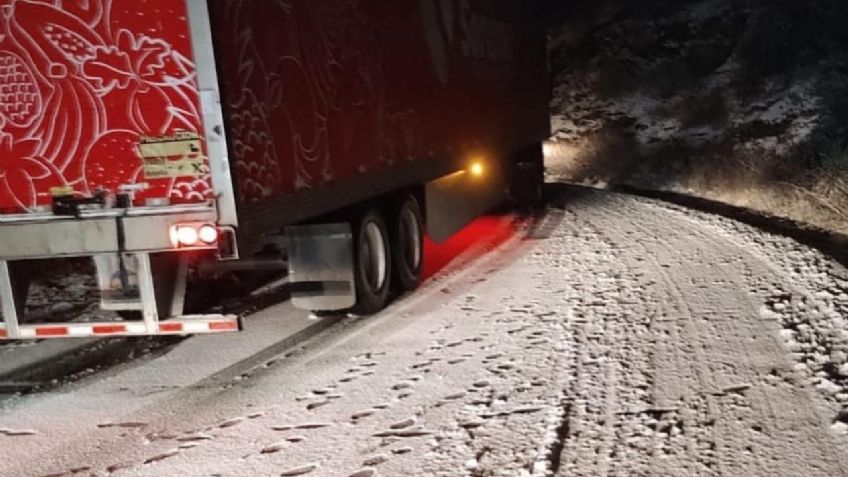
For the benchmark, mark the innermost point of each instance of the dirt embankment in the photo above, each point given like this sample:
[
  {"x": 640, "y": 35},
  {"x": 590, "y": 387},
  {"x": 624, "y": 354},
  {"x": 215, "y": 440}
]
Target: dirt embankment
[{"x": 744, "y": 102}]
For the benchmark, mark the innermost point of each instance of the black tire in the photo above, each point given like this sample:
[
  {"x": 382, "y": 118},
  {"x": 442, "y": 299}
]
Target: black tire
[
  {"x": 372, "y": 264},
  {"x": 408, "y": 245},
  {"x": 528, "y": 177}
]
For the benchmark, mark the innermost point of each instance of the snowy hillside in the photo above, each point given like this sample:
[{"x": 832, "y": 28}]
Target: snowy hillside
[{"x": 744, "y": 102}]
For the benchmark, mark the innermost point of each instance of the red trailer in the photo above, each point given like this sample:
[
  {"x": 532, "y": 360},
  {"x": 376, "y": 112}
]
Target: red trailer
[{"x": 324, "y": 136}]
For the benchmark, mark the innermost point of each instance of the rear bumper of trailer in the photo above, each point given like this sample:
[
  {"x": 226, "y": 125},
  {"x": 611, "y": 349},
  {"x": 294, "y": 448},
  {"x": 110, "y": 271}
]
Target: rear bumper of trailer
[
  {"x": 34, "y": 236},
  {"x": 109, "y": 237},
  {"x": 186, "y": 325}
]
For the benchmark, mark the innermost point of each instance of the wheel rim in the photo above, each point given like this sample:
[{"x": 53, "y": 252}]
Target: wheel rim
[
  {"x": 373, "y": 256},
  {"x": 411, "y": 231}
]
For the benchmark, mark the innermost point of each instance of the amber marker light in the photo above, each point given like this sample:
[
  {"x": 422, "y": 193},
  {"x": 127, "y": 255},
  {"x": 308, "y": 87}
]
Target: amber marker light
[{"x": 476, "y": 169}]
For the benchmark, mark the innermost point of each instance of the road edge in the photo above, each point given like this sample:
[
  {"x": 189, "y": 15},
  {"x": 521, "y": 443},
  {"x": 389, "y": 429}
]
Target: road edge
[{"x": 833, "y": 244}]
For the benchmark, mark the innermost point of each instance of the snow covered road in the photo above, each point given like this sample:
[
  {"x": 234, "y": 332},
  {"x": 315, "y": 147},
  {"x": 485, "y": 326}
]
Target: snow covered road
[{"x": 615, "y": 336}]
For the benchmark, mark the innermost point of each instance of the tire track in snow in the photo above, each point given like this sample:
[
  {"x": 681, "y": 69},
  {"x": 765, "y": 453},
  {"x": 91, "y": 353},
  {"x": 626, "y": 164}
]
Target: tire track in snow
[
  {"x": 703, "y": 451},
  {"x": 625, "y": 215},
  {"x": 811, "y": 308}
]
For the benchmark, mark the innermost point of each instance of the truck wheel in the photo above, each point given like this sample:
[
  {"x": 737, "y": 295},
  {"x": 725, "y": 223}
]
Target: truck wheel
[
  {"x": 372, "y": 264},
  {"x": 528, "y": 176},
  {"x": 408, "y": 245}
]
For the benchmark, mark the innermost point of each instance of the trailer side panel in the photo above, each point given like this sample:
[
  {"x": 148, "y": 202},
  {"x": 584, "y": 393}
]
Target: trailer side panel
[{"x": 330, "y": 102}]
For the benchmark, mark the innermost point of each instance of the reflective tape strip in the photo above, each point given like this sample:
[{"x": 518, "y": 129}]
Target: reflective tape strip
[
  {"x": 80, "y": 331},
  {"x": 191, "y": 327},
  {"x": 136, "y": 329},
  {"x": 108, "y": 329},
  {"x": 223, "y": 325},
  {"x": 27, "y": 333},
  {"x": 194, "y": 325},
  {"x": 48, "y": 331},
  {"x": 170, "y": 327}
]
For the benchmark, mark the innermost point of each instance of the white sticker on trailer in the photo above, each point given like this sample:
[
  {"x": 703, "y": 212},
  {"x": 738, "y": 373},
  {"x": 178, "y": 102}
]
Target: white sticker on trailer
[{"x": 180, "y": 155}]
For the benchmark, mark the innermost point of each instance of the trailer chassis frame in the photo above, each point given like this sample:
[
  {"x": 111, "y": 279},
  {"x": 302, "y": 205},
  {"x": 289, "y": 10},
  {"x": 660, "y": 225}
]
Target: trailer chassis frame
[
  {"x": 151, "y": 324},
  {"x": 140, "y": 235}
]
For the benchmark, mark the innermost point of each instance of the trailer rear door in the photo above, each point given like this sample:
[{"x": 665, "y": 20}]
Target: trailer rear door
[{"x": 101, "y": 95}]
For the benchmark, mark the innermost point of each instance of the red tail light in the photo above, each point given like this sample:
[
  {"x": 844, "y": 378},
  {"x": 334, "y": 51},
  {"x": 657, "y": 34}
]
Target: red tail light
[
  {"x": 188, "y": 235},
  {"x": 208, "y": 234},
  {"x": 184, "y": 236}
]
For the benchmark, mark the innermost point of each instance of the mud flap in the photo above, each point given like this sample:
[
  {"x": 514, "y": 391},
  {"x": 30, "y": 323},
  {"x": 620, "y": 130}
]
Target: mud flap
[{"x": 320, "y": 259}]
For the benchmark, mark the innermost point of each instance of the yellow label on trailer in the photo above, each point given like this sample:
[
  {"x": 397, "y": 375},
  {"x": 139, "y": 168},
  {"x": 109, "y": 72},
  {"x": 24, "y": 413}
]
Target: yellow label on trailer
[
  {"x": 62, "y": 191},
  {"x": 180, "y": 155}
]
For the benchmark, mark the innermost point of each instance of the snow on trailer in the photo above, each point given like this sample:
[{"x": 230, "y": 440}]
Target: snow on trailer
[{"x": 155, "y": 135}]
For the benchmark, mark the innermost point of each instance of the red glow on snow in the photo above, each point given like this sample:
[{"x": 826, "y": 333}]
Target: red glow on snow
[{"x": 489, "y": 231}]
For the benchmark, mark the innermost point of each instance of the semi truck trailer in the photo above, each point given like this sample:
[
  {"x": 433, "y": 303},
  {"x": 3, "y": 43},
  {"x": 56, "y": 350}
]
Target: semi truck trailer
[{"x": 323, "y": 138}]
